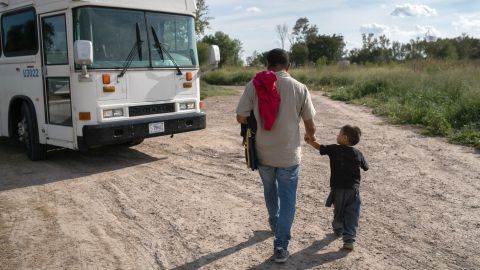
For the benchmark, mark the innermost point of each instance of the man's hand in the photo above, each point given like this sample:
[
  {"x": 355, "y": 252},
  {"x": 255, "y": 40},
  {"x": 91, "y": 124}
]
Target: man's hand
[
  {"x": 308, "y": 138},
  {"x": 309, "y": 130},
  {"x": 310, "y": 134},
  {"x": 312, "y": 142},
  {"x": 242, "y": 119}
]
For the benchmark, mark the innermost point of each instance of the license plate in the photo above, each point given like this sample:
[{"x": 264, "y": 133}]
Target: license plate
[{"x": 156, "y": 127}]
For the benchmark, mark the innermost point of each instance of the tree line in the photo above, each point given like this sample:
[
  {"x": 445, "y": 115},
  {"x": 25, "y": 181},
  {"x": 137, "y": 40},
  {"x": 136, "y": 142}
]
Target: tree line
[
  {"x": 380, "y": 50},
  {"x": 309, "y": 47}
]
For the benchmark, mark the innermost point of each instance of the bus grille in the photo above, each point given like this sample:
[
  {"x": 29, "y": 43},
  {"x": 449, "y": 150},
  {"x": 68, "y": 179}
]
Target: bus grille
[{"x": 151, "y": 109}]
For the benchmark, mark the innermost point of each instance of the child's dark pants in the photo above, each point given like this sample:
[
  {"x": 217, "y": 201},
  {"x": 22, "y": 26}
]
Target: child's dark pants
[{"x": 346, "y": 212}]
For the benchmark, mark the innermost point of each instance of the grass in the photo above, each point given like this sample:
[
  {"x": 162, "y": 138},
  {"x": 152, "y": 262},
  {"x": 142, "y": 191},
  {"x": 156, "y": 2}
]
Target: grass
[
  {"x": 208, "y": 90},
  {"x": 442, "y": 96},
  {"x": 229, "y": 76}
]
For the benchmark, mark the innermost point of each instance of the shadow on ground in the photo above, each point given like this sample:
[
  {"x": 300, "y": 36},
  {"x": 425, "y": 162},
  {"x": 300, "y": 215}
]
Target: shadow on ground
[
  {"x": 307, "y": 258},
  {"x": 258, "y": 236},
  {"x": 17, "y": 171}
]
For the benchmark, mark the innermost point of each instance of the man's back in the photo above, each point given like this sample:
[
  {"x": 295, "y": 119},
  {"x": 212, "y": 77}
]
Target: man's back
[{"x": 280, "y": 147}]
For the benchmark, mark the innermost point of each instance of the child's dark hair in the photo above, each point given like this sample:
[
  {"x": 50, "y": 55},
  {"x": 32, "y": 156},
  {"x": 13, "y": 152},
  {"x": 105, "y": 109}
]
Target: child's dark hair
[
  {"x": 277, "y": 57},
  {"x": 353, "y": 134}
]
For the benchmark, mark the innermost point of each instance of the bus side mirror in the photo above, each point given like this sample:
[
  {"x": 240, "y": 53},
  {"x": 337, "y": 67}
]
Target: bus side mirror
[
  {"x": 213, "y": 56},
  {"x": 83, "y": 51}
]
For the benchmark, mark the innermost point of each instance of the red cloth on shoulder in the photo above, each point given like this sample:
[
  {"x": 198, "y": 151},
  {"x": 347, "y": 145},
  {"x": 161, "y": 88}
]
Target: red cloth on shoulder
[{"x": 268, "y": 97}]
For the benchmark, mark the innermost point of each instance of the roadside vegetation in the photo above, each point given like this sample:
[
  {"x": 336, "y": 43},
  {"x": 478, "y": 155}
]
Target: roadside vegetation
[
  {"x": 230, "y": 76},
  {"x": 442, "y": 96},
  {"x": 431, "y": 82},
  {"x": 208, "y": 90}
]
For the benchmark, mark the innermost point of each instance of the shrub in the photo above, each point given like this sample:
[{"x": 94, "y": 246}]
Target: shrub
[
  {"x": 370, "y": 86},
  {"x": 469, "y": 135},
  {"x": 228, "y": 77},
  {"x": 207, "y": 90}
]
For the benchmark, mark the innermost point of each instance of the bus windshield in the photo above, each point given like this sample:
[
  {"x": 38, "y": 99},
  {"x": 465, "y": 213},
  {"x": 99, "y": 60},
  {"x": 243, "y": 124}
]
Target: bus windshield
[{"x": 113, "y": 33}]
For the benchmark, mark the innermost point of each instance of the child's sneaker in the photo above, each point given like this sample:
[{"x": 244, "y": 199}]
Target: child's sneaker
[
  {"x": 348, "y": 246},
  {"x": 281, "y": 255}
]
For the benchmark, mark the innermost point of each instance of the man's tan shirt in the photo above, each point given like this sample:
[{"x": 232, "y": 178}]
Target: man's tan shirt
[{"x": 280, "y": 147}]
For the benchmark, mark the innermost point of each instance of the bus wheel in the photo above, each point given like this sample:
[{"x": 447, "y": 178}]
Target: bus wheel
[
  {"x": 133, "y": 143},
  {"x": 28, "y": 134}
]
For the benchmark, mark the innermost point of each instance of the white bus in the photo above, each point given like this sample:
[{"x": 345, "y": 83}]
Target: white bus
[{"x": 85, "y": 73}]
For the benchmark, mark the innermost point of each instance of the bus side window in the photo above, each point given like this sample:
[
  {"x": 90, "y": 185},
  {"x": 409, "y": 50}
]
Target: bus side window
[
  {"x": 19, "y": 35},
  {"x": 55, "y": 40}
]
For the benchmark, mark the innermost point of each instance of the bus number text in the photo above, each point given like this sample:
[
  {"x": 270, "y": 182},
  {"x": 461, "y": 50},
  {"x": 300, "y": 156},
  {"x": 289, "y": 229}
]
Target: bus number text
[{"x": 30, "y": 72}]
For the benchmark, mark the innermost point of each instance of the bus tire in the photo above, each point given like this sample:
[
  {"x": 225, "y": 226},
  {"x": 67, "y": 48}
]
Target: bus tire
[{"x": 27, "y": 132}]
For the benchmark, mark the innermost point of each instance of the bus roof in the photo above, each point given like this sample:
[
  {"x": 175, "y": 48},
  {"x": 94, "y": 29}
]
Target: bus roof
[{"x": 173, "y": 6}]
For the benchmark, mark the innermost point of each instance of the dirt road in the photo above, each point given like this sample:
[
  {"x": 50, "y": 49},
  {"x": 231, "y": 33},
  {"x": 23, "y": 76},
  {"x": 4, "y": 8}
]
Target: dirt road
[{"x": 188, "y": 202}]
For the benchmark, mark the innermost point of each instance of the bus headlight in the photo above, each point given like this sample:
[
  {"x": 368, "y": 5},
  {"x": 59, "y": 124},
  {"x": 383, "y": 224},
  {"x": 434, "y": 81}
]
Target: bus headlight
[
  {"x": 187, "y": 106},
  {"x": 109, "y": 113}
]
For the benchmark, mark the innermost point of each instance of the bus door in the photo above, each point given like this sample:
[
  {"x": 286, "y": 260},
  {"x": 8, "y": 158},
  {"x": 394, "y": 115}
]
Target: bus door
[{"x": 56, "y": 75}]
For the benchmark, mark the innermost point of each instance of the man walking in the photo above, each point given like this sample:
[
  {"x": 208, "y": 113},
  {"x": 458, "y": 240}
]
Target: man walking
[{"x": 278, "y": 102}]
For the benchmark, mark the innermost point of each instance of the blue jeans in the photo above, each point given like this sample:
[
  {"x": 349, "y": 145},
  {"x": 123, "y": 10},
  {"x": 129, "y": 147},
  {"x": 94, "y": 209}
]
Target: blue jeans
[{"x": 280, "y": 191}]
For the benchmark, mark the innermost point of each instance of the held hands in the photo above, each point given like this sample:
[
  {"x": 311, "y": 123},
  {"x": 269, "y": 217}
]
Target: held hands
[{"x": 311, "y": 139}]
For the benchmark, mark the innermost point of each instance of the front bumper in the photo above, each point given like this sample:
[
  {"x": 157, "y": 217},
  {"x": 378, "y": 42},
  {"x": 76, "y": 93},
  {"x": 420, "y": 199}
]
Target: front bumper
[{"x": 131, "y": 130}]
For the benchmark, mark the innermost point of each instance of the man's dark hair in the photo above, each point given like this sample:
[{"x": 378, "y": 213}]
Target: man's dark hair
[
  {"x": 353, "y": 134},
  {"x": 277, "y": 57}
]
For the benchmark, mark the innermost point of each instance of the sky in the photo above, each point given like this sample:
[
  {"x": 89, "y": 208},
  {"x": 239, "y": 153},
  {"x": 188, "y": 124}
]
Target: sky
[{"x": 253, "y": 22}]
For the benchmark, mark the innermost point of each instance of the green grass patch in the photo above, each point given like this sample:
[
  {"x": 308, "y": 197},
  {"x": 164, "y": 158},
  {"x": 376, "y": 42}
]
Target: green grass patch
[
  {"x": 229, "y": 76},
  {"x": 445, "y": 102},
  {"x": 469, "y": 135},
  {"x": 207, "y": 90}
]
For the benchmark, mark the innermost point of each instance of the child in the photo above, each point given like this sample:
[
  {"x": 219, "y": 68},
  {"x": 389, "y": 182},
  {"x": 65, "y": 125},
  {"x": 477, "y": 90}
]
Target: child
[{"x": 345, "y": 164}]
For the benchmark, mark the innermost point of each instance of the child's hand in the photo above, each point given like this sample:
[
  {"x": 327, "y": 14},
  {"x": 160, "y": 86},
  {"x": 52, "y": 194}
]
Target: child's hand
[{"x": 312, "y": 143}]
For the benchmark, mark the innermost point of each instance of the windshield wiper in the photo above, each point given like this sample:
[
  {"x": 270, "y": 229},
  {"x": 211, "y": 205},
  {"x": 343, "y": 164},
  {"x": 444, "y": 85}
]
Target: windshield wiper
[
  {"x": 161, "y": 49},
  {"x": 138, "y": 46}
]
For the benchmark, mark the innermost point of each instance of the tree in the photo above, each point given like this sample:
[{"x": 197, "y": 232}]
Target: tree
[
  {"x": 303, "y": 31},
  {"x": 467, "y": 47},
  {"x": 376, "y": 50},
  {"x": 202, "y": 22},
  {"x": 257, "y": 59},
  {"x": 398, "y": 53},
  {"x": 282, "y": 31},
  {"x": 308, "y": 45},
  {"x": 299, "y": 53},
  {"x": 381, "y": 50},
  {"x": 230, "y": 49},
  {"x": 300, "y": 26},
  {"x": 203, "y": 53},
  {"x": 441, "y": 49},
  {"x": 415, "y": 49},
  {"x": 325, "y": 47}
]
